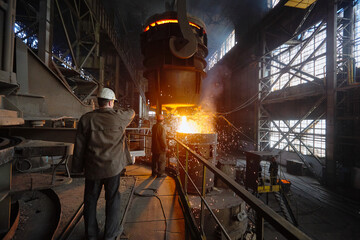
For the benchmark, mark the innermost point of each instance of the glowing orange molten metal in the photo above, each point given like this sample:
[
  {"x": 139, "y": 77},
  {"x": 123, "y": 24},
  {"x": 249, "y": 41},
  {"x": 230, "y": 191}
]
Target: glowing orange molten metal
[
  {"x": 188, "y": 126},
  {"x": 166, "y": 21},
  {"x": 198, "y": 123}
]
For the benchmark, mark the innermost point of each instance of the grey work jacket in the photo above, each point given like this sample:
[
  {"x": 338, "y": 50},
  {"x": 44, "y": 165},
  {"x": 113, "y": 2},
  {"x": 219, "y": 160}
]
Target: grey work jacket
[
  {"x": 158, "y": 139},
  {"x": 100, "y": 146}
]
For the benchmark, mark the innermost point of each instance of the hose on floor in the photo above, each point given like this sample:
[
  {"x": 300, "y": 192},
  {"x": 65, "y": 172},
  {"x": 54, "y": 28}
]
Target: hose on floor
[{"x": 154, "y": 194}]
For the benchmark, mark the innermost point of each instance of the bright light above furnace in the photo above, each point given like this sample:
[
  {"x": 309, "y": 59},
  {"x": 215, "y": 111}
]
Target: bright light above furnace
[{"x": 303, "y": 4}]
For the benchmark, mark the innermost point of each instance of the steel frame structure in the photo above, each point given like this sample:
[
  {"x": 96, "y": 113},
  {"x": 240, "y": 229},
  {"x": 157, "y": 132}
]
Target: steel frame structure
[
  {"x": 336, "y": 86},
  {"x": 266, "y": 86},
  {"x": 85, "y": 25}
]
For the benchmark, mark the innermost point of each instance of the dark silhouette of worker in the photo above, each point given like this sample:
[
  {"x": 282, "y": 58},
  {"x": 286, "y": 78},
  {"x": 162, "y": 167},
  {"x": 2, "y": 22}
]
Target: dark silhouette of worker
[
  {"x": 273, "y": 170},
  {"x": 158, "y": 148},
  {"x": 101, "y": 151},
  {"x": 260, "y": 177}
]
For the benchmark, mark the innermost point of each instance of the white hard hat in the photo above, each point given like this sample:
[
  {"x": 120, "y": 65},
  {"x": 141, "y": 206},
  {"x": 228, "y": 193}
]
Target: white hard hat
[{"x": 106, "y": 93}]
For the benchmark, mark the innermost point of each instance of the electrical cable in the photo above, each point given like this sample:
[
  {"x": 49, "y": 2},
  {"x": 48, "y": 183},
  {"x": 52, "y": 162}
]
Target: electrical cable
[
  {"x": 242, "y": 106},
  {"x": 154, "y": 194},
  {"x": 237, "y": 129}
]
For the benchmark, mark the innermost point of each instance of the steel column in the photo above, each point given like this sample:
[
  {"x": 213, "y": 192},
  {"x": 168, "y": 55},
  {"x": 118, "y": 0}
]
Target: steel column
[
  {"x": 262, "y": 75},
  {"x": 348, "y": 38},
  {"x": 45, "y": 30},
  {"x": 8, "y": 58},
  {"x": 117, "y": 76},
  {"x": 331, "y": 92},
  {"x": 259, "y": 222},
  {"x": 102, "y": 72}
]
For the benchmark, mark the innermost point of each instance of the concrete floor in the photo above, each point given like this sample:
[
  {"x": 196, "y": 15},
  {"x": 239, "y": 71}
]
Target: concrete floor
[
  {"x": 322, "y": 214},
  {"x": 145, "y": 218},
  {"x": 155, "y": 212}
]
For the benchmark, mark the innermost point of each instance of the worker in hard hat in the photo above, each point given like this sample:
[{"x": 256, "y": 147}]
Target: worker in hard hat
[
  {"x": 101, "y": 151},
  {"x": 158, "y": 147}
]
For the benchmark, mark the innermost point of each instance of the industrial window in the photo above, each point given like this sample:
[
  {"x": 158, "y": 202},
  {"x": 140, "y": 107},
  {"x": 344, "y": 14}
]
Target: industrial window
[
  {"x": 309, "y": 135},
  {"x": 228, "y": 44},
  {"x": 31, "y": 41},
  {"x": 357, "y": 35},
  {"x": 272, "y": 3},
  {"x": 305, "y": 62}
]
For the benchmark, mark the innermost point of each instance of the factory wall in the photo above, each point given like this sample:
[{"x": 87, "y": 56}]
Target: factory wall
[{"x": 236, "y": 123}]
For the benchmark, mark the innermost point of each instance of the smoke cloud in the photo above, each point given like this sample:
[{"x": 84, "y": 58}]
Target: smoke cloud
[{"x": 213, "y": 87}]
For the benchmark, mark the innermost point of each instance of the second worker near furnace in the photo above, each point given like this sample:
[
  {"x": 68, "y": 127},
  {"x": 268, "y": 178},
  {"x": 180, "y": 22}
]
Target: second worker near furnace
[{"x": 158, "y": 148}]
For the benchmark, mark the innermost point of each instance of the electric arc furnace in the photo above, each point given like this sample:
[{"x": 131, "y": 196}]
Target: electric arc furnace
[{"x": 174, "y": 59}]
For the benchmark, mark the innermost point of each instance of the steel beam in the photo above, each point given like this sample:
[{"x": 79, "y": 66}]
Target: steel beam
[
  {"x": 295, "y": 74},
  {"x": 331, "y": 58},
  {"x": 300, "y": 120},
  {"x": 298, "y": 136},
  {"x": 305, "y": 44},
  {"x": 98, "y": 13},
  {"x": 294, "y": 148},
  {"x": 50, "y": 134},
  {"x": 298, "y": 68},
  {"x": 88, "y": 55},
  {"x": 3, "y": 5},
  {"x": 66, "y": 34}
]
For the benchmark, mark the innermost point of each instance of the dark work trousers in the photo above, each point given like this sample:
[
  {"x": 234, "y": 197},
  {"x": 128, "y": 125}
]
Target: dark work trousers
[
  {"x": 112, "y": 210},
  {"x": 158, "y": 163}
]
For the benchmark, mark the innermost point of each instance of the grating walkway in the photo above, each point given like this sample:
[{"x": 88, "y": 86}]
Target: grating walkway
[{"x": 154, "y": 211}]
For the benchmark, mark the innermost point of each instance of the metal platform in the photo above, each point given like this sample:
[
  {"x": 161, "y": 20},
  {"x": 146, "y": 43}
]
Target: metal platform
[
  {"x": 149, "y": 207},
  {"x": 155, "y": 212}
]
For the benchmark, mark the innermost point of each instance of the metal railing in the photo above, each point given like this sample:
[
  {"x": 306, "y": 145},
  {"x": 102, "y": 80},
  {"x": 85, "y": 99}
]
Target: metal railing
[
  {"x": 263, "y": 212},
  {"x": 137, "y": 138}
]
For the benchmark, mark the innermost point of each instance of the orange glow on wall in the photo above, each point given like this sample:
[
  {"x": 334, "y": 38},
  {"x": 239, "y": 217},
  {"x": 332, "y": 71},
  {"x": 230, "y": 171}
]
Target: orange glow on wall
[{"x": 166, "y": 21}]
